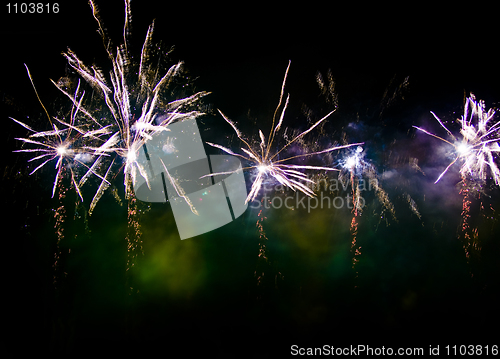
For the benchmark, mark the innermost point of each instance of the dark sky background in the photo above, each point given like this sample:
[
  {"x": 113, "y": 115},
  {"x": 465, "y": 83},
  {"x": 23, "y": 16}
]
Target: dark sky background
[{"x": 412, "y": 273}]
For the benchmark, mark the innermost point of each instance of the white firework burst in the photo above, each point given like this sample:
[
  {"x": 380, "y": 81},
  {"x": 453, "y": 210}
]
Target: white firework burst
[
  {"x": 477, "y": 144},
  {"x": 123, "y": 111},
  {"x": 265, "y": 161}
]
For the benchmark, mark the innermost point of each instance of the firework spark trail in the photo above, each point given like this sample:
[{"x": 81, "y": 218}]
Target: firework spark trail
[
  {"x": 352, "y": 164},
  {"x": 355, "y": 248},
  {"x": 412, "y": 204},
  {"x": 60, "y": 217},
  {"x": 354, "y": 224},
  {"x": 264, "y": 265},
  {"x": 327, "y": 89},
  {"x": 110, "y": 135},
  {"x": 468, "y": 243},
  {"x": 355, "y": 167},
  {"x": 471, "y": 191},
  {"x": 265, "y": 162},
  {"x": 262, "y": 259}
]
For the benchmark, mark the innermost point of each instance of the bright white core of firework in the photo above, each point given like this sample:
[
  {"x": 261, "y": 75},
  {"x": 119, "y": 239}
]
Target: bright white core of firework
[
  {"x": 463, "y": 148},
  {"x": 262, "y": 168},
  {"x": 61, "y": 150},
  {"x": 131, "y": 156},
  {"x": 351, "y": 162}
]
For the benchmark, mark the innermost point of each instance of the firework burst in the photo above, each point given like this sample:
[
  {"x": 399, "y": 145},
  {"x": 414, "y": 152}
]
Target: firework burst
[
  {"x": 62, "y": 145},
  {"x": 478, "y": 142},
  {"x": 266, "y": 162},
  {"x": 475, "y": 150},
  {"x": 107, "y": 128}
]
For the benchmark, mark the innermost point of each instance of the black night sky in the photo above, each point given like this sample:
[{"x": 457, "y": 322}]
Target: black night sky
[{"x": 201, "y": 295}]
